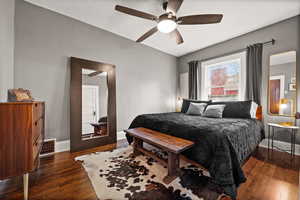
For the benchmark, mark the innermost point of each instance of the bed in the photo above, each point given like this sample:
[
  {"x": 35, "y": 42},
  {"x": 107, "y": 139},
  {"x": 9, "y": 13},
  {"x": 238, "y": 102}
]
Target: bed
[{"x": 221, "y": 145}]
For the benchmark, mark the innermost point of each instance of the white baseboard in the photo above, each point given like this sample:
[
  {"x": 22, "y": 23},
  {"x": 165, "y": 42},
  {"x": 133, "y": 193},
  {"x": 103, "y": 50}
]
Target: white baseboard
[
  {"x": 281, "y": 145},
  {"x": 61, "y": 146},
  {"x": 121, "y": 135}
]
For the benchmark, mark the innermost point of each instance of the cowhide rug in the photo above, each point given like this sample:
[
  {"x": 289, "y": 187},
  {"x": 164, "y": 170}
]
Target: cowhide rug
[{"x": 118, "y": 175}]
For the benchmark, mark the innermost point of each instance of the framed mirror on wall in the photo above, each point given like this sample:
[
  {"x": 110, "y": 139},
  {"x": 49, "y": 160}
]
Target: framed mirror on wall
[
  {"x": 282, "y": 91},
  {"x": 93, "y": 104}
]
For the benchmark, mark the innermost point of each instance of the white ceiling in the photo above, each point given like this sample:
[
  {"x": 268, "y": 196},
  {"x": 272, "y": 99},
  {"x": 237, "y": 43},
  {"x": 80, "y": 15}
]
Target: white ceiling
[{"x": 240, "y": 17}]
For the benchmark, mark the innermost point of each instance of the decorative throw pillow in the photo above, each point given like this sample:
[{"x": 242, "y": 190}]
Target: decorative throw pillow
[
  {"x": 196, "y": 108},
  {"x": 186, "y": 104},
  {"x": 235, "y": 109},
  {"x": 214, "y": 111}
]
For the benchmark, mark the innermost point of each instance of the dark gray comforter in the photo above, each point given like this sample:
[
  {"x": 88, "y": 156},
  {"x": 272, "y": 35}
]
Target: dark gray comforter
[{"x": 221, "y": 145}]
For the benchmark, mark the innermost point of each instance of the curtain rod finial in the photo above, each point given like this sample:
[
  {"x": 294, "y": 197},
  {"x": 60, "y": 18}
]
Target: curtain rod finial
[{"x": 273, "y": 41}]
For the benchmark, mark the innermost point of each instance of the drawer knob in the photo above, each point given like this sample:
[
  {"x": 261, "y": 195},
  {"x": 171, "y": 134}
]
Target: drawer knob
[{"x": 35, "y": 123}]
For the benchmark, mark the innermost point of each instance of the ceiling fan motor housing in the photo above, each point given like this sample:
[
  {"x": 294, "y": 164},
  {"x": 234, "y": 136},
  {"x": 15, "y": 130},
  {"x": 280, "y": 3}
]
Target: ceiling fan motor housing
[{"x": 167, "y": 16}]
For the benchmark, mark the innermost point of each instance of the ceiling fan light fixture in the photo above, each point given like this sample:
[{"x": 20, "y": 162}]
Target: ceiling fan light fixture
[
  {"x": 166, "y": 26},
  {"x": 168, "y": 22}
]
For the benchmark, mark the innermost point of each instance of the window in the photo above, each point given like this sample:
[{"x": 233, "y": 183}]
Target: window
[{"x": 223, "y": 79}]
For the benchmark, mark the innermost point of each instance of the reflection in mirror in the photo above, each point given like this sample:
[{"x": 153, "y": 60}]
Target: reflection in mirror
[
  {"x": 94, "y": 104},
  {"x": 282, "y": 84}
]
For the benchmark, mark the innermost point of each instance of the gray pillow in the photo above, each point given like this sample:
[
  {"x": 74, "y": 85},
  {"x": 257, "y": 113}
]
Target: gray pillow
[
  {"x": 214, "y": 111},
  {"x": 186, "y": 103},
  {"x": 196, "y": 108}
]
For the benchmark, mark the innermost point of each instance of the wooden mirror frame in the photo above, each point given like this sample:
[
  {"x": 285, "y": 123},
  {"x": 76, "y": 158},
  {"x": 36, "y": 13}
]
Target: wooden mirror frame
[
  {"x": 77, "y": 143},
  {"x": 268, "y": 88}
]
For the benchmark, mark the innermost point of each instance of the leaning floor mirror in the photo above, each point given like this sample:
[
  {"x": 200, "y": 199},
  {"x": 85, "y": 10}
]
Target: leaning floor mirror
[
  {"x": 93, "y": 104},
  {"x": 282, "y": 84}
]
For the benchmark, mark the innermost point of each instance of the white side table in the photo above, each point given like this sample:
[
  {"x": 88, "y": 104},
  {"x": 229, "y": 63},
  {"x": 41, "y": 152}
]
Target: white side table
[{"x": 294, "y": 129}]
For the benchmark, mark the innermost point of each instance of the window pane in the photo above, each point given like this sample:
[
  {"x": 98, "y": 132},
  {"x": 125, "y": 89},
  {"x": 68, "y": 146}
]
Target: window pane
[{"x": 223, "y": 80}]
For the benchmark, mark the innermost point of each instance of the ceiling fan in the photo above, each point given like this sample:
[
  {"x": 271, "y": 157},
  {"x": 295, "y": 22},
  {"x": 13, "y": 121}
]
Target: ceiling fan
[{"x": 168, "y": 22}]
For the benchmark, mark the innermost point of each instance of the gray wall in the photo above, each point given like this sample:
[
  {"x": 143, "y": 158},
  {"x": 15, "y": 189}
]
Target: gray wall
[
  {"x": 7, "y": 13},
  {"x": 44, "y": 41},
  {"x": 286, "y": 34}
]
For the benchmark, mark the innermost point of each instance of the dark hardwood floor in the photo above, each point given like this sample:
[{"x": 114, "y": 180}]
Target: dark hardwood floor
[
  {"x": 61, "y": 178},
  {"x": 274, "y": 176}
]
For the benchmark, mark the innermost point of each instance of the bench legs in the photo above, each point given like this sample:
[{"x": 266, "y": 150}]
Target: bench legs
[
  {"x": 172, "y": 163},
  {"x": 137, "y": 143},
  {"x": 173, "y": 167}
]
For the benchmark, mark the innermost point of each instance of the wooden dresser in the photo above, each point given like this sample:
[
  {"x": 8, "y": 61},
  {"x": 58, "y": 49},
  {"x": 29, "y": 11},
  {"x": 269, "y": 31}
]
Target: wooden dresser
[{"x": 22, "y": 127}]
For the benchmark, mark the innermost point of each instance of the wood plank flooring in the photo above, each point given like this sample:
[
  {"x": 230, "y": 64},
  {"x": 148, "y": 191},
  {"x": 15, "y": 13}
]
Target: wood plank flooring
[{"x": 61, "y": 178}]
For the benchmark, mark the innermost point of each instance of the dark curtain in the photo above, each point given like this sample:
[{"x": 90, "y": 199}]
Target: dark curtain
[
  {"x": 193, "y": 79},
  {"x": 254, "y": 73}
]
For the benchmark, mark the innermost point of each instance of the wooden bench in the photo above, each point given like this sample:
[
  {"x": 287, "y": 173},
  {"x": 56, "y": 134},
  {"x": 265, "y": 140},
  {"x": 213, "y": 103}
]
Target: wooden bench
[{"x": 172, "y": 145}]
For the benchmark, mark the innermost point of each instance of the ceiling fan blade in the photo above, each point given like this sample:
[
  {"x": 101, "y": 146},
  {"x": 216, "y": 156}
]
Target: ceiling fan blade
[
  {"x": 200, "y": 19},
  {"x": 176, "y": 34},
  {"x": 94, "y": 74},
  {"x": 148, "y": 34},
  {"x": 174, "y": 5},
  {"x": 135, "y": 13}
]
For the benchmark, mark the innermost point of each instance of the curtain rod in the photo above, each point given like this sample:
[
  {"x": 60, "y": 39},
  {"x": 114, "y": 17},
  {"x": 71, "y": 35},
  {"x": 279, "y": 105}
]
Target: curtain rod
[
  {"x": 272, "y": 42},
  {"x": 269, "y": 42}
]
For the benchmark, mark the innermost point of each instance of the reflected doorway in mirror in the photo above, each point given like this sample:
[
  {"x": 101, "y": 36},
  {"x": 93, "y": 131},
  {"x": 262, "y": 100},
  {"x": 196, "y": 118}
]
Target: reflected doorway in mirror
[{"x": 282, "y": 94}]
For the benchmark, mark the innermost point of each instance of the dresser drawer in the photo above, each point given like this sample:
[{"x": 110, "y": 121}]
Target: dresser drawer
[
  {"x": 22, "y": 134},
  {"x": 36, "y": 147},
  {"x": 38, "y": 111},
  {"x": 37, "y": 129}
]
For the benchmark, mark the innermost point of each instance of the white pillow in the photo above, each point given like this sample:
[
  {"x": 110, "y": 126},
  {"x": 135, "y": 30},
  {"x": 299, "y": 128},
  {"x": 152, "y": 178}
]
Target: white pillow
[
  {"x": 253, "y": 109},
  {"x": 196, "y": 108}
]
